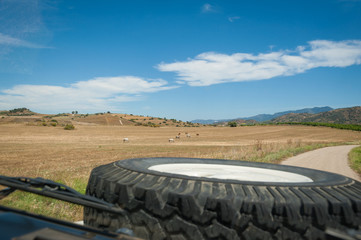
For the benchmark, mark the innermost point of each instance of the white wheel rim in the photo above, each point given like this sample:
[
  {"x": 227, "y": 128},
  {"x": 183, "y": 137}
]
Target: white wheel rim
[{"x": 231, "y": 172}]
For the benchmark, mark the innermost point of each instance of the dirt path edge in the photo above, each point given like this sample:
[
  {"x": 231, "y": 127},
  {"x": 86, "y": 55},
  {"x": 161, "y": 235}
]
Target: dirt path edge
[{"x": 330, "y": 159}]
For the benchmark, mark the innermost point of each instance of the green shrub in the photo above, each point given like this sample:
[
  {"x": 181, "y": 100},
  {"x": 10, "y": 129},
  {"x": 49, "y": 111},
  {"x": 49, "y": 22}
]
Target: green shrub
[
  {"x": 53, "y": 124},
  {"x": 232, "y": 124},
  {"x": 69, "y": 127},
  {"x": 355, "y": 159},
  {"x": 16, "y": 110}
]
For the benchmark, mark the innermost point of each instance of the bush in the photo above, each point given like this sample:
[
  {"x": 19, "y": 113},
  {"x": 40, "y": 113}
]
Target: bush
[
  {"x": 69, "y": 127},
  {"x": 232, "y": 124},
  {"x": 16, "y": 110}
]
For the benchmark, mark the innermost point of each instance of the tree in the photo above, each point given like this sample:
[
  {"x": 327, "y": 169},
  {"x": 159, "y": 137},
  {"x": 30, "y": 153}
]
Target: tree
[{"x": 232, "y": 124}]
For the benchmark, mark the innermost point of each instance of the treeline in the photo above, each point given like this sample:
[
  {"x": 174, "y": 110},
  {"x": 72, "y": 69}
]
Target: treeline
[
  {"x": 353, "y": 127},
  {"x": 17, "y": 112}
]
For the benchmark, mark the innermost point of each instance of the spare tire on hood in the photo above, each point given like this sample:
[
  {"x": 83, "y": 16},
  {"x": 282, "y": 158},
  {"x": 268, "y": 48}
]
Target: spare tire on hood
[{"x": 185, "y": 198}]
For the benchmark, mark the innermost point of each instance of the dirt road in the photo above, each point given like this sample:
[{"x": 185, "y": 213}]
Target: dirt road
[{"x": 330, "y": 159}]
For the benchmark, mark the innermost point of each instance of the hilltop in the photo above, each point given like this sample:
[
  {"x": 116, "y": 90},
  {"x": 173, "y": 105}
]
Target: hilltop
[
  {"x": 340, "y": 116},
  {"x": 24, "y": 115},
  {"x": 18, "y": 112}
]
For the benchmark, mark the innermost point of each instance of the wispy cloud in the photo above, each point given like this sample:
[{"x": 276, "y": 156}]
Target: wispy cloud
[
  {"x": 208, "y": 8},
  {"x": 234, "y": 18},
  {"x": 15, "y": 42},
  {"x": 99, "y": 94},
  {"x": 214, "y": 68}
]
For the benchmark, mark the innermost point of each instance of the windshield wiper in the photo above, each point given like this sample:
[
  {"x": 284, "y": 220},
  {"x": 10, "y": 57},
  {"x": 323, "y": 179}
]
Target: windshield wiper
[{"x": 56, "y": 190}]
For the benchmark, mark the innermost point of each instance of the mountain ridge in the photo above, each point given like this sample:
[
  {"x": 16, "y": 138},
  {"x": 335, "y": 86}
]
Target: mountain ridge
[
  {"x": 351, "y": 115},
  {"x": 267, "y": 117}
]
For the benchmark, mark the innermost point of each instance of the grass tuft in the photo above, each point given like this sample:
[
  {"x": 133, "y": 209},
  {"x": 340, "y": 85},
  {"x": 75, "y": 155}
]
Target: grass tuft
[{"x": 355, "y": 159}]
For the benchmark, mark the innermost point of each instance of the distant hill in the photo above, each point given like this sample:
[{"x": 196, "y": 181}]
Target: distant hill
[
  {"x": 266, "y": 117},
  {"x": 18, "y": 112},
  {"x": 341, "y": 116},
  {"x": 211, "y": 121},
  {"x": 238, "y": 121},
  {"x": 24, "y": 115}
]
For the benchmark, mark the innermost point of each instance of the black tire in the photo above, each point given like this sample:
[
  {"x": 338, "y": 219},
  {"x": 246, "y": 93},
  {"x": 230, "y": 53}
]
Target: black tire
[{"x": 169, "y": 206}]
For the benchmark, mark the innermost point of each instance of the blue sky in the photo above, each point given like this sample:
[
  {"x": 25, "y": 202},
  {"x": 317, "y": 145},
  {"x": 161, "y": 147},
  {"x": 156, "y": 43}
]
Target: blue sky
[{"x": 183, "y": 59}]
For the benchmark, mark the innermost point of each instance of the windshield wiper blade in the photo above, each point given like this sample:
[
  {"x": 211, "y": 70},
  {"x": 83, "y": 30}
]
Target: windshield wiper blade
[{"x": 56, "y": 190}]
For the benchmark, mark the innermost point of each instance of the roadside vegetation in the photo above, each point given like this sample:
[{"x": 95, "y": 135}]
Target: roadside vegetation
[{"x": 355, "y": 159}]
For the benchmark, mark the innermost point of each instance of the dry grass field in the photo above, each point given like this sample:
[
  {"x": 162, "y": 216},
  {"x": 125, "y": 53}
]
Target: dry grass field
[{"x": 69, "y": 156}]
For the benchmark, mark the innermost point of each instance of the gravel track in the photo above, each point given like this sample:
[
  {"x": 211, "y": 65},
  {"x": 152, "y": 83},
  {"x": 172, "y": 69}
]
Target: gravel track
[{"x": 330, "y": 159}]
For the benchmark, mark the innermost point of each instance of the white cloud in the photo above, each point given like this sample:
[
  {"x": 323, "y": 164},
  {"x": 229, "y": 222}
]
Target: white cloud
[
  {"x": 207, "y": 8},
  {"x": 214, "y": 68},
  {"x": 99, "y": 94},
  {"x": 232, "y": 19},
  {"x": 14, "y": 42}
]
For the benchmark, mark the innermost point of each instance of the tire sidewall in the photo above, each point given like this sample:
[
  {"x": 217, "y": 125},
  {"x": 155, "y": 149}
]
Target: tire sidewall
[{"x": 320, "y": 178}]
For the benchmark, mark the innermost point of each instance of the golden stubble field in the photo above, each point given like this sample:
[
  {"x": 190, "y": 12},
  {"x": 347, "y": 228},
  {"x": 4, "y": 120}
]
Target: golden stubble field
[
  {"x": 53, "y": 152},
  {"x": 68, "y": 156}
]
